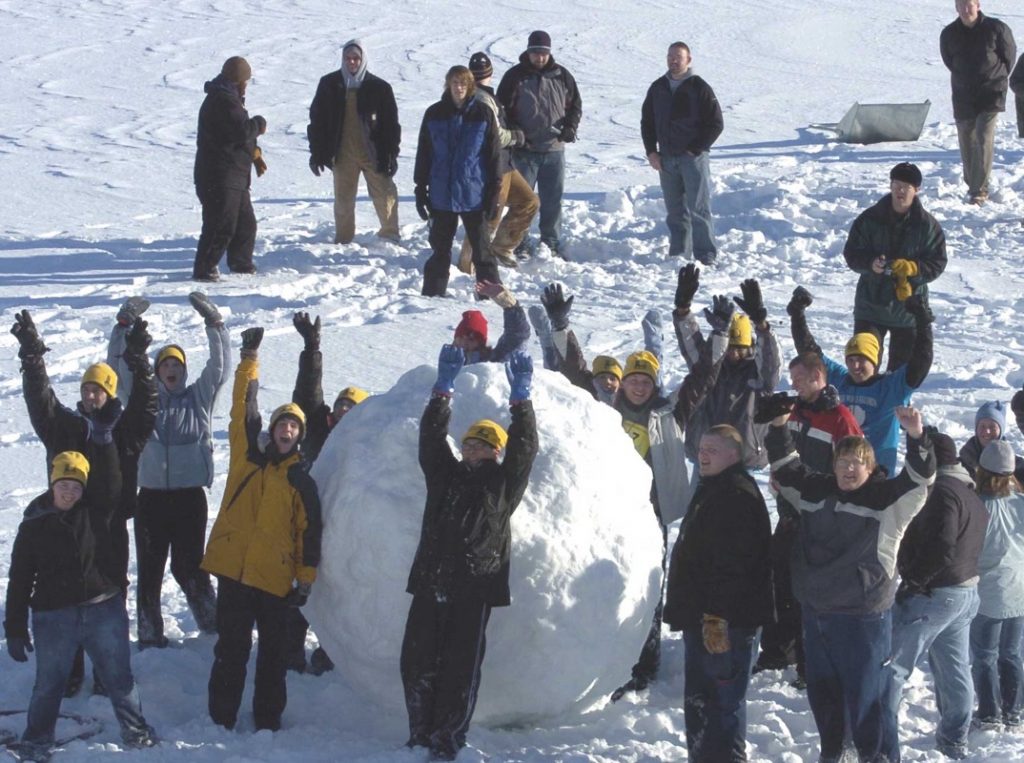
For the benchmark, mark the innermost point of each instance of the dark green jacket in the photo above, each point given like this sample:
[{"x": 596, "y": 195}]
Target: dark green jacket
[{"x": 879, "y": 231}]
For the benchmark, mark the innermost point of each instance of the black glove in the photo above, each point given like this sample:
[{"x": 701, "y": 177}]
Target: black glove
[
  {"x": 132, "y": 308},
  {"x": 800, "y": 301},
  {"x": 567, "y": 135},
  {"x": 309, "y": 330},
  {"x": 315, "y": 166},
  {"x": 103, "y": 421},
  {"x": 772, "y": 406},
  {"x": 720, "y": 313},
  {"x": 751, "y": 302},
  {"x": 138, "y": 339},
  {"x": 917, "y": 306},
  {"x": 299, "y": 595},
  {"x": 251, "y": 338},
  {"x": 557, "y": 306},
  {"x": 423, "y": 202},
  {"x": 18, "y": 646},
  {"x": 686, "y": 287},
  {"x": 518, "y": 138},
  {"x": 1017, "y": 403},
  {"x": 24, "y": 330},
  {"x": 205, "y": 308},
  {"x": 388, "y": 166}
]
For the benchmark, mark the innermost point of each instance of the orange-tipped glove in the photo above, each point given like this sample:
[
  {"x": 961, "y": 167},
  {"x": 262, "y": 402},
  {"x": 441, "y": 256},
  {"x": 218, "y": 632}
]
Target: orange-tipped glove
[
  {"x": 716, "y": 634},
  {"x": 905, "y": 268},
  {"x": 257, "y": 160}
]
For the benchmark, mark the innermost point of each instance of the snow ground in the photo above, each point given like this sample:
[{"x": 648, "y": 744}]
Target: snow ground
[{"x": 98, "y": 107}]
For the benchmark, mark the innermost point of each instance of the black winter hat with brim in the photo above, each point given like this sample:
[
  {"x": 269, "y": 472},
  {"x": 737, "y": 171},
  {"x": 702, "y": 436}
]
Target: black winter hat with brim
[
  {"x": 539, "y": 42},
  {"x": 907, "y": 173}
]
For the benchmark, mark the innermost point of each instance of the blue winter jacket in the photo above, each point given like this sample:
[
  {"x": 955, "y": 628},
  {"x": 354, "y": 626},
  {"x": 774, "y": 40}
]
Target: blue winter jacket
[
  {"x": 1001, "y": 564},
  {"x": 458, "y": 156},
  {"x": 179, "y": 453}
]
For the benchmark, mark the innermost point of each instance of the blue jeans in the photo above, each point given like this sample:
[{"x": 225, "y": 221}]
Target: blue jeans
[
  {"x": 545, "y": 172},
  {"x": 848, "y": 682},
  {"x": 102, "y": 629},
  {"x": 686, "y": 185},
  {"x": 996, "y": 665},
  {"x": 715, "y": 696},
  {"x": 939, "y": 625}
]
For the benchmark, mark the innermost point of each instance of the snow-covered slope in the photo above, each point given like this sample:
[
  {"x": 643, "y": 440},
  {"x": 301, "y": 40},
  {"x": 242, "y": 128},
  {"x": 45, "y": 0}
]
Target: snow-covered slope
[{"x": 97, "y": 116}]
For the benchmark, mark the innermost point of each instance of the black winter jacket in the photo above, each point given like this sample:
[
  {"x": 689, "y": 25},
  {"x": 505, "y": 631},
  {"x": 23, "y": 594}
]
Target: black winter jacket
[
  {"x": 378, "y": 117},
  {"x": 721, "y": 564},
  {"x": 688, "y": 120},
  {"x": 979, "y": 59},
  {"x": 309, "y": 396},
  {"x": 915, "y": 236},
  {"x": 466, "y": 537},
  {"x": 61, "y": 428},
  {"x": 942, "y": 544},
  {"x": 1017, "y": 86},
  {"x": 65, "y": 558},
  {"x": 225, "y": 138}
]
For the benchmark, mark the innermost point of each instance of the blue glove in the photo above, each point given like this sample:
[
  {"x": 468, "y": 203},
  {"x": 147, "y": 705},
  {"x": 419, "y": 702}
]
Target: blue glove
[
  {"x": 103, "y": 421},
  {"x": 17, "y": 647},
  {"x": 519, "y": 370},
  {"x": 449, "y": 363}
]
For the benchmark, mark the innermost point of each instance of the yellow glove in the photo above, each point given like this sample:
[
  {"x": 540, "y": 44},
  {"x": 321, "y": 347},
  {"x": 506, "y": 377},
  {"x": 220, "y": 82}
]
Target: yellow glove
[
  {"x": 903, "y": 287},
  {"x": 905, "y": 268},
  {"x": 716, "y": 634},
  {"x": 257, "y": 160}
]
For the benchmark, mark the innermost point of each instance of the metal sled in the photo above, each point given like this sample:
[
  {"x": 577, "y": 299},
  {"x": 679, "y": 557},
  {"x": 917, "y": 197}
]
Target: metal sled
[{"x": 880, "y": 122}]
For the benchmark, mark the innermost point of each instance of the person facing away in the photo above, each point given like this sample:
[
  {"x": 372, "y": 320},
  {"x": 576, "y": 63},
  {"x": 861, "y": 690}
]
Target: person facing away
[
  {"x": 353, "y": 129},
  {"x": 226, "y": 152},
  {"x": 461, "y": 568},
  {"x": 898, "y": 249},
  {"x": 264, "y": 547},
  {"x": 979, "y": 52},
  {"x": 679, "y": 122}
]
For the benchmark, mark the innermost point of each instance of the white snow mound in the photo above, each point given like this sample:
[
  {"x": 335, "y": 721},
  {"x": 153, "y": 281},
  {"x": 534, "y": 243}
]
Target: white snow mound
[{"x": 586, "y": 550}]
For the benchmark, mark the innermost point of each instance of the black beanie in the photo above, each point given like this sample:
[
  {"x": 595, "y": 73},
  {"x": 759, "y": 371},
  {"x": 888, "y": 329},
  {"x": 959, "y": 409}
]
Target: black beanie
[
  {"x": 539, "y": 41},
  {"x": 945, "y": 449},
  {"x": 907, "y": 173},
  {"x": 480, "y": 65}
]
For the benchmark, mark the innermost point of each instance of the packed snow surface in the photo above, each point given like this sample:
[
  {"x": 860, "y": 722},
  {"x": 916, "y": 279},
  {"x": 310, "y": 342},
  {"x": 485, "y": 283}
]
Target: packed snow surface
[{"x": 98, "y": 108}]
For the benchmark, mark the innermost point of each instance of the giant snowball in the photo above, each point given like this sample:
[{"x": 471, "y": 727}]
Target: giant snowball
[{"x": 586, "y": 548}]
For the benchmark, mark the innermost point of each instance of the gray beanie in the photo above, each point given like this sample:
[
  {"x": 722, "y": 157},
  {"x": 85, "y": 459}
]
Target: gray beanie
[{"x": 998, "y": 458}]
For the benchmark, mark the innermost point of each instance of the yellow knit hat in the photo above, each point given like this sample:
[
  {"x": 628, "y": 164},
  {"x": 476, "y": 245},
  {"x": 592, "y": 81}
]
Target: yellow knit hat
[
  {"x": 741, "y": 332},
  {"x": 606, "y": 364},
  {"x": 355, "y": 394},
  {"x": 103, "y": 375},
  {"x": 864, "y": 343},
  {"x": 70, "y": 465},
  {"x": 170, "y": 351},
  {"x": 642, "y": 362},
  {"x": 288, "y": 409},
  {"x": 489, "y": 431}
]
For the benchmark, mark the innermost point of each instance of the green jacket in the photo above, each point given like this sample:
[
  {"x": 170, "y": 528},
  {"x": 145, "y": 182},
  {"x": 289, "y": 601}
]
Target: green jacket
[{"x": 915, "y": 236}]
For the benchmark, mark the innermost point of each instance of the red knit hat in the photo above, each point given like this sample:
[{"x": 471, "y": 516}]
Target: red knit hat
[{"x": 473, "y": 322}]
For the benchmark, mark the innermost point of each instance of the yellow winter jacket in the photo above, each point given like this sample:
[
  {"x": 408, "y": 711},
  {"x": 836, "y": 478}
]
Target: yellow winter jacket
[{"x": 267, "y": 533}]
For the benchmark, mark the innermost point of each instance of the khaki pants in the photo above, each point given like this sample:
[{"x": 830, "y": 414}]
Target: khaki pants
[
  {"x": 382, "y": 192},
  {"x": 522, "y": 204},
  {"x": 977, "y": 138}
]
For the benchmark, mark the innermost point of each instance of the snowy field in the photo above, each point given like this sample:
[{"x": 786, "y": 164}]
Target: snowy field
[{"x": 98, "y": 108}]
